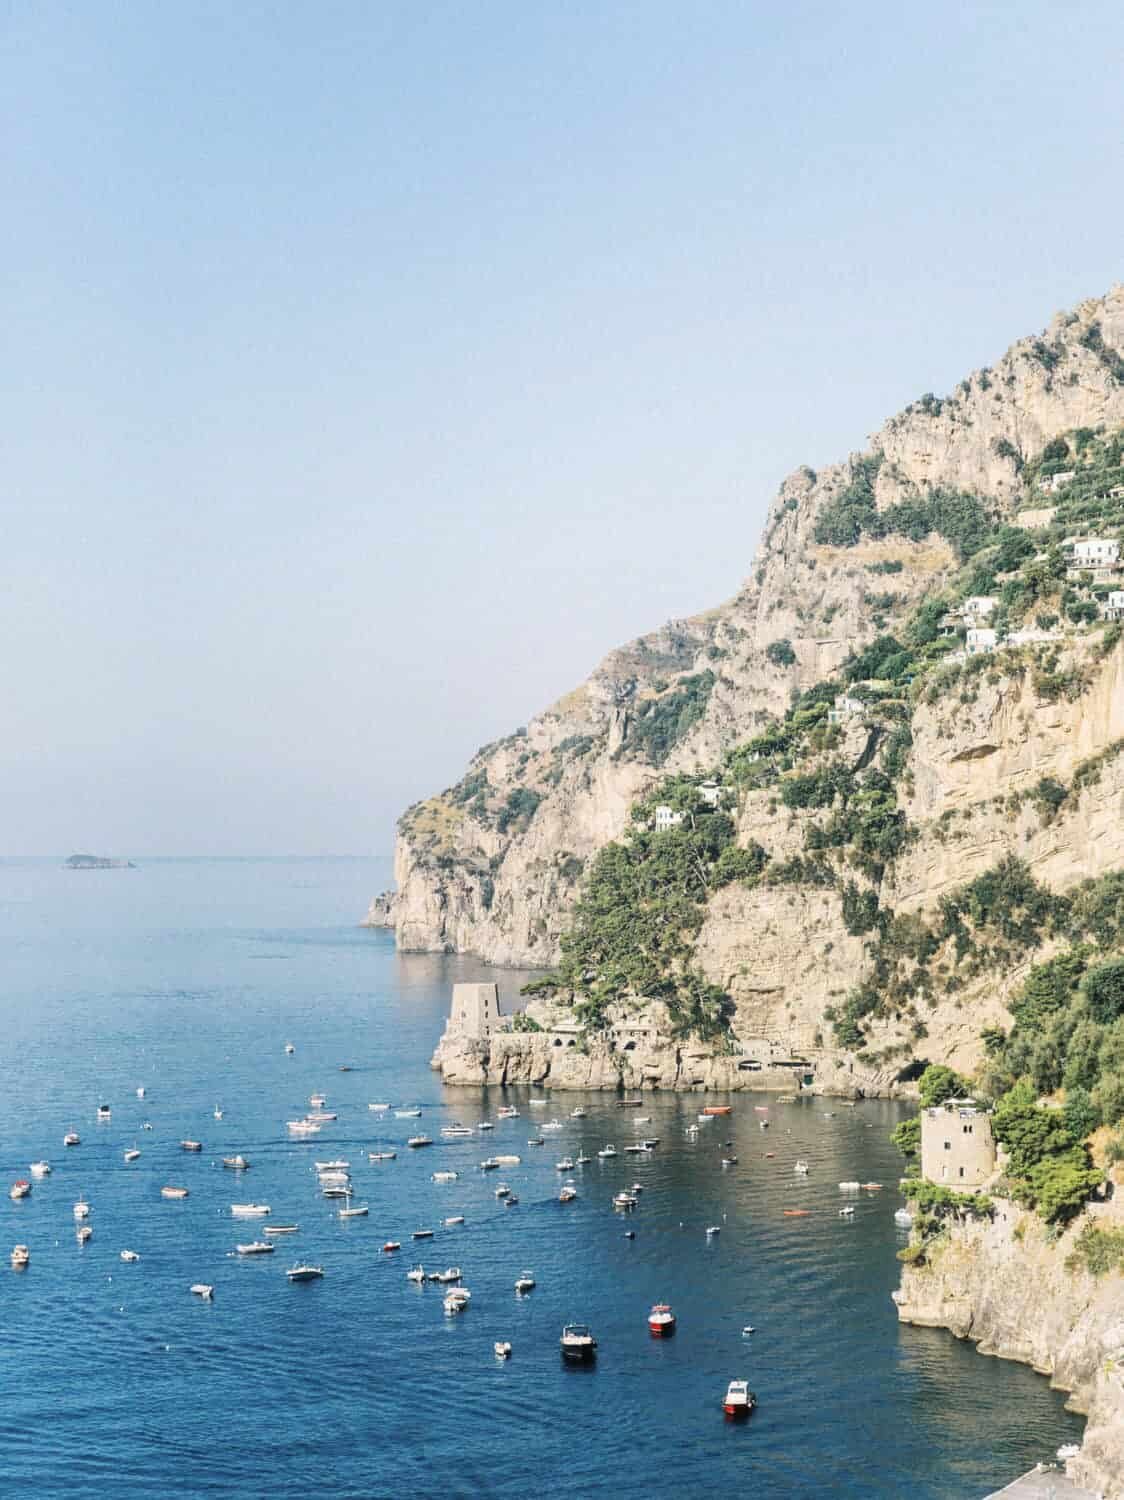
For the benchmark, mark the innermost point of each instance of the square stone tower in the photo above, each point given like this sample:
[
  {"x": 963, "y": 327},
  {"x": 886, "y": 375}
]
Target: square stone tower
[
  {"x": 957, "y": 1145},
  {"x": 475, "y": 1012}
]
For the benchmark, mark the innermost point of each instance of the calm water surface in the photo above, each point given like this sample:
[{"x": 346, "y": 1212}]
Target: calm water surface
[{"x": 188, "y": 977}]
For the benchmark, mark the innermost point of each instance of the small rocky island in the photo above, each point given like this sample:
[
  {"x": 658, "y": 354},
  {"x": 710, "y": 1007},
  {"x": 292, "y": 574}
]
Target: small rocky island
[{"x": 98, "y": 862}]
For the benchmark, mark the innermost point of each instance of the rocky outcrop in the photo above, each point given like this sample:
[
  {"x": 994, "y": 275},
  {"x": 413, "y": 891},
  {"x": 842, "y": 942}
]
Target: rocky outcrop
[
  {"x": 493, "y": 865},
  {"x": 1005, "y": 1285}
]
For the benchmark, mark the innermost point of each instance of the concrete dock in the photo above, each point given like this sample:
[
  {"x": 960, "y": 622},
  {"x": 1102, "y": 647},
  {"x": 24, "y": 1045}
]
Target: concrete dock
[{"x": 1049, "y": 1484}]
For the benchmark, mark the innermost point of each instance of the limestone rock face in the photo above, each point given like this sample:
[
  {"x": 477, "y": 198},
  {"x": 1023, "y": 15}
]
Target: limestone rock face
[
  {"x": 492, "y": 866},
  {"x": 1005, "y": 1285}
]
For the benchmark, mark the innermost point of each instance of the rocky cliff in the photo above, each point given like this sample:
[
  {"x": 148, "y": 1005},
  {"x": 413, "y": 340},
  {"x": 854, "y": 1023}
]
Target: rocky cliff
[
  {"x": 849, "y": 558},
  {"x": 1006, "y": 1285}
]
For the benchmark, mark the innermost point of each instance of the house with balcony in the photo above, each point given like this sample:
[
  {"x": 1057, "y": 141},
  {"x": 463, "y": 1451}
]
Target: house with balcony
[
  {"x": 1112, "y": 608},
  {"x": 666, "y": 818}
]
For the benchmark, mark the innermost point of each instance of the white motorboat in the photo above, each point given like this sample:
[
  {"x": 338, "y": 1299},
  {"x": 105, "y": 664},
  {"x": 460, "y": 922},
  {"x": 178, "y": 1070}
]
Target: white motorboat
[
  {"x": 191, "y": 1145},
  {"x": 508, "y": 1160},
  {"x": 490, "y": 1165},
  {"x": 333, "y": 1179},
  {"x": 565, "y": 1165},
  {"x": 801, "y": 1167},
  {"x": 40, "y": 1169},
  {"x": 317, "y": 1101},
  {"x": 332, "y": 1166},
  {"x": 525, "y": 1282},
  {"x": 552, "y": 1125},
  {"x": 422, "y": 1234},
  {"x": 577, "y": 1114},
  {"x": 305, "y": 1273},
  {"x": 81, "y": 1209},
  {"x": 535, "y": 1140},
  {"x": 456, "y": 1131},
  {"x": 607, "y": 1151},
  {"x": 625, "y": 1200},
  {"x": 635, "y": 1150},
  {"x": 132, "y": 1154},
  {"x": 140, "y": 1092},
  {"x": 486, "y": 1125},
  {"x": 538, "y": 1103},
  {"x": 359, "y": 1212},
  {"x": 336, "y": 1190},
  {"x": 748, "y": 1331},
  {"x": 173, "y": 1192},
  {"x": 407, "y": 1114},
  {"x": 502, "y": 1349},
  {"x": 72, "y": 1138},
  {"x": 20, "y": 1257},
  {"x": 447, "y": 1277},
  {"x": 129, "y": 1255},
  {"x": 202, "y": 1289},
  {"x": 712, "y": 1230},
  {"x": 503, "y": 1190},
  {"x": 249, "y": 1210},
  {"x": 20, "y": 1188},
  {"x": 280, "y": 1228},
  {"x": 235, "y": 1163},
  {"x": 847, "y": 1213},
  {"x": 577, "y": 1342},
  {"x": 583, "y": 1161},
  {"x": 104, "y": 1113},
  {"x": 303, "y": 1127},
  {"x": 456, "y": 1219},
  {"x": 420, "y": 1140},
  {"x": 84, "y": 1233},
  {"x": 567, "y": 1195},
  {"x": 443, "y": 1176},
  {"x": 217, "y": 1113},
  {"x": 256, "y": 1247},
  {"x": 507, "y": 1112},
  {"x": 739, "y": 1400},
  {"x": 289, "y": 1049},
  {"x": 641, "y": 1120},
  {"x": 321, "y": 1116},
  {"x": 381, "y": 1155},
  {"x": 849, "y": 1187},
  {"x": 416, "y": 1274}
]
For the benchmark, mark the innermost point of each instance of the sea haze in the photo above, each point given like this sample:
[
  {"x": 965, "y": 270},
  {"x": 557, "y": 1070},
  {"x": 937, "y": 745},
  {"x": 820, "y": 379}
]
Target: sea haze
[{"x": 188, "y": 977}]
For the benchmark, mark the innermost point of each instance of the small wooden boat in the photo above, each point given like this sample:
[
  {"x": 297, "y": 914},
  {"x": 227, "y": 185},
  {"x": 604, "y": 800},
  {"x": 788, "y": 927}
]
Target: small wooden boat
[{"x": 661, "y": 1321}]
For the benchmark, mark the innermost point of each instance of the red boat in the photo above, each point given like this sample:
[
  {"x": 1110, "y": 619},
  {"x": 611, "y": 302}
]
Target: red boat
[
  {"x": 20, "y": 1188},
  {"x": 717, "y": 1109},
  {"x": 392, "y": 1245},
  {"x": 661, "y": 1321}
]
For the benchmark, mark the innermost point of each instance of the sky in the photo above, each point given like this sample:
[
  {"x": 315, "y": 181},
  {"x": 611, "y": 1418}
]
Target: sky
[{"x": 369, "y": 370}]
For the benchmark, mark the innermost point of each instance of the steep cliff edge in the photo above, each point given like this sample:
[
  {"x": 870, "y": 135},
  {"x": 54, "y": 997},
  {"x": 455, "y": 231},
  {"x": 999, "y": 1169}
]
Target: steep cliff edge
[
  {"x": 850, "y": 558},
  {"x": 1006, "y": 1285}
]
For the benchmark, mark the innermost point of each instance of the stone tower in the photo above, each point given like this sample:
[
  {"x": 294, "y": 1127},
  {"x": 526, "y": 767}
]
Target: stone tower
[
  {"x": 475, "y": 1012},
  {"x": 957, "y": 1145}
]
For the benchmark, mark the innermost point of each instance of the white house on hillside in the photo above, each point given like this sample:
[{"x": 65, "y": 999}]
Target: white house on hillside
[
  {"x": 1113, "y": 607},
  {"x": 980, "y": 640},
  {"x": 979, "y": 606},
  {"x": 1093, "y": 551},
  {"x": 846, "y": 707},
  {"x": 666, "y": 818},
  {"x": 711, "y": 793},
  {"x": 1053, "y": 482}
]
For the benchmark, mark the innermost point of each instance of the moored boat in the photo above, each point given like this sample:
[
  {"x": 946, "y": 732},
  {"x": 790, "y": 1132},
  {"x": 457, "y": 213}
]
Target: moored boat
[
  {"x": 173, "y": 1192},
  {"x": 256, "y": 1247},
  {"x": 20, "y": 1256},
  {"x": 422, "y": 1234},
  {"x": 407, "y": 1114},
  {"x": 718, "y": 1109},
  {"x": 132, "y": 1154},
  {"x": 502, "y": 1349},
  {"x": 235, "y": 1163},
  {"x": 661, "y": 1320},
  {"x": 391, "y": 1245},
  {"x": 455, "y": 1131},
  {"x": 416, "y": 1274},
  {"x": 443, "y": 1177},
  {"x": 420, "y": 1140},
  {"x": 40, "y": 1169},
  {"x": 360, "y": 1211},
  {"x": 104, "y": 1113},
  {"x": 801, "y": 1167},
  {"x": 202, "y": 1289},
  {"x": 81, "y": 1209},
  {"x": 20, "y": 1188},
  {"x": 739, "y": 1400},
  {"x": 249, "y": 1210},
  {"x": 577, "y": 1343},
  {"x": 191, "y": 1145},
  {"x": 72, "y": 1138},
  {"x": 129, "y": 1255},
  {"x": 524, "y": 1282},
  {"x": 381, "y": 1155},
  {"x": 456, "y": 1219},
  {"x": 567, "y": 1195},
  {"x": 607, "y": 1151},
  {"x": 84, "y": 1233},
  {"x": 304, "y": 1272},
  {"x": 280, "y": 1228}
]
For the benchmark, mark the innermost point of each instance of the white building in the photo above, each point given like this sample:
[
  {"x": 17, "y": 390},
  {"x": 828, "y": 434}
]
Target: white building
[
  {"x": 711, "y": 793},
  {"x": 666, "y": 818},
  {"x": 1051, "y": 483},
  {"x": 979, "y": 606},
  {"x": 980, "y": 639},
  {"x": 1112, "y": 608},
  {"x": 1093, "y": 551},
  {"x": 846, "y": 707}
]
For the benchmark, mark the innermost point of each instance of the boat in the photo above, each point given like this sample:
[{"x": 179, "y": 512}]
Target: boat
[
  {"x": 289, "y": 1049},
  {"x": 538, "y": 1103},
  {"x": 129, "y": 1255},
  {"x": 407, "y": 1114},
  {"x": 624, "y": 1200},
  {"x": 511, "y": 1200},
  {"x": 217, "y": 1113},
  {"x": 729, "y": 1161},
  {"x": 1068, "y": 1451},
  {"x": 661, "y": 1320},
  {"x": 454, "y": 1304},
  {"x": 763, "y": 1125},
  {"x": 552, "y": 1125},
  {"x": 333, "y": 1179},
  {"x": 786, "y": 1098},
  {"x": 801, "y": 1167},
  {"x": 795, "y": 1213},
  {"x": 379, "y": 1108},
  {"x": 509, "y": 1160},
  {"x": 718, "y": 1109},
  {"x": 202, "y": 1289},
  {"x": 339, "y": 1165},
  {"x": 637, "y": 1187},
  {"x": 416, "y": 1274},
  {"x": 607, "y": 1151},
  {"x": 422, "y": 1234},
  {"x": 903, "y": 1218},
  {"x": 748, "y": 1330},
  {"x": 321, "y": 1116},
  {"x": 317, "y": 1101},
  {"x": 235, "y": 1163},
  {"x": 443, "y": 1176},
  {"x": 629, "y": 1103},
  {"x": 502, "y": 1349},
  {"x": 635, "y": 1150},
  {"x": 81, "y": 1209},
  {"x": 256, "y": 1247},
  {"x": 173, "y": 1192},
  {"x": 381, "y": 1155},
  {"x": 305, "y": 1273},
  {"x": 641, "y": 1120},
  {"x": 849, "y": 1187},
  {"x": 20, "y": 1257},
  {"x": 132, "y": 1154},
  {"x": 104, "y": 1113},
  {"x": 565, "y": 1165},
  {"x": 535, "y": 1140},
  {"x": 584, "y": 1161},
  {"x": 713, "y": 1229},
  {"x": 40, "y": 1169},
  {"x": 507, "y": 1112},
  {"x": 420, "y": 1140},
  {"x": 140, "y": 1092},
  {"x": 524, "y": 1282},
  {"x": 191, "y": 1145},
  {"x": 872, "y": 1187},
  {"x": 485, "y": 1125},
  {"x": 72, "y": 1138},
  {"x": 391, "y": 1245},
  {"x": 760, "y": 1109},
  {"x": 739, "y": 1400},
  {"x": 567, "y": 1195},
  {"x": 705, "y": 1119},
  {"x": 303, "y": 1127},
  {"x": 577, "y": 1114},
  {"x": 847, "y": 1213},
  {"x": 359, "y": 1212},
  {"x": 20, "y": 1188},
  {"x": 490, "y": 1165},
  {"x": 336, "y": 1190},
  {"x": 84, "y": 1233},
  {"x": 280, "y": 1228},
  {"x": 455, "y": 1131},
  {"x": 577, "y": 1342},
  {"x": 446, "y": 1277},
  {"x": 503, "y": 1190},
  {"x": 456, "y": 1219},
  {"x": 249, "y": 1210}
]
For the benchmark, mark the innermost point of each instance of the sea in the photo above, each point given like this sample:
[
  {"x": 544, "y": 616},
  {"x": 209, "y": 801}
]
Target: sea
[{"x": 187, "y": 978}]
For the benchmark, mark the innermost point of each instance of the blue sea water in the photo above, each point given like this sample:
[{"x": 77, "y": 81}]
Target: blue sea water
[{"x": 188, "y": 977}]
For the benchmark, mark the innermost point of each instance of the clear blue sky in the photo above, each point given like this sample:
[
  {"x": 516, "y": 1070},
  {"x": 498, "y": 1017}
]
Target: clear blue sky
[{"x": 370, "y": 369}]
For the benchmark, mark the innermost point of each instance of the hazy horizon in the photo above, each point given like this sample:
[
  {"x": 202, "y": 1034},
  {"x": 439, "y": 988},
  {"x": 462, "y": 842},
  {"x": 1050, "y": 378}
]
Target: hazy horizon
[{"x": 371, "y": 372}]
